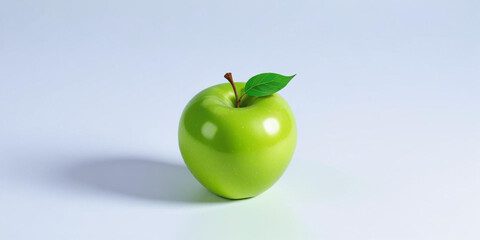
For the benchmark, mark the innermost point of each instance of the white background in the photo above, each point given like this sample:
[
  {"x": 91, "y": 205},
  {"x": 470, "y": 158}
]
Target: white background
[{"x": 386, "y": 99}]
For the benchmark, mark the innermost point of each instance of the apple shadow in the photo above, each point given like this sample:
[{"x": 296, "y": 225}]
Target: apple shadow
[{"x": 141, "y": 179}]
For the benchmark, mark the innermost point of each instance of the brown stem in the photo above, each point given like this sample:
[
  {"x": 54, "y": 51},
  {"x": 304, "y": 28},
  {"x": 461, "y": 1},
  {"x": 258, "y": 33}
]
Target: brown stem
[{"x": 229, "y": 77}]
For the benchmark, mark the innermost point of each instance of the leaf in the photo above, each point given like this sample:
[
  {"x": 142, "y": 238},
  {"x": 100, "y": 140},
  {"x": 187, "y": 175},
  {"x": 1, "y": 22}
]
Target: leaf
[{"x": 265, "y": 84}]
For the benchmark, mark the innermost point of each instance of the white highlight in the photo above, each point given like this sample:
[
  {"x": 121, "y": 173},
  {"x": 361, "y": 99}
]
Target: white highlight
[
  {"x": 208, "y": 130},
  {"x": 271, "y": 126}
]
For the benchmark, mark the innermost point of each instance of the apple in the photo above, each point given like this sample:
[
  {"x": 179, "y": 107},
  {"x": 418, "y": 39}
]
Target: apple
[{"x": 236, "y": 152}]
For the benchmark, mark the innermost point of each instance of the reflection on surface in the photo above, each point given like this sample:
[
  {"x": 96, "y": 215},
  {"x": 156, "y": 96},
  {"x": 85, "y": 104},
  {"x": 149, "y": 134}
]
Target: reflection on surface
[
  {"x": 267, "y": 216},
  {"x": 208, "y": 130},
  {"x": 271, "y": 125}
]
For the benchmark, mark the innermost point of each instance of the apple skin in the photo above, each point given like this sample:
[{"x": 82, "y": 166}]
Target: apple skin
[{"x": 236, "y": 153}]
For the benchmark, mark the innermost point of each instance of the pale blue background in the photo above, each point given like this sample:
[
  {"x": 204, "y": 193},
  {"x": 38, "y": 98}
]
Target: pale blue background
[{"x": 386, "y": 99}]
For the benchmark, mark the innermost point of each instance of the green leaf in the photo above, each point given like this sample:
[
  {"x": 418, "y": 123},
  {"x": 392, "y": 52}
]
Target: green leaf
[
  {"x": 265, "y": 84},
  {"x": 242, "y": 91}
]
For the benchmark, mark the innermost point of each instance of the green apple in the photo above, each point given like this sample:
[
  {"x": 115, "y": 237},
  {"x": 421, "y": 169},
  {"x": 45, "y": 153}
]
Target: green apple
[{"x": 235, "y": 152}]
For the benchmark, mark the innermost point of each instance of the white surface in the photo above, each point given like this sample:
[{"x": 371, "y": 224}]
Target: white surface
[{"x": 386, "y": 99}]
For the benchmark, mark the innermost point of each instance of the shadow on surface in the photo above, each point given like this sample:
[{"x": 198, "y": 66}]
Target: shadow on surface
[{"x": 145, "y": 179}]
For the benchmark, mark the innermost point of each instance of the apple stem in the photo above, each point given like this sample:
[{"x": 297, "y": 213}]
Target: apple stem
[{"x": 229, "y": 77}]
